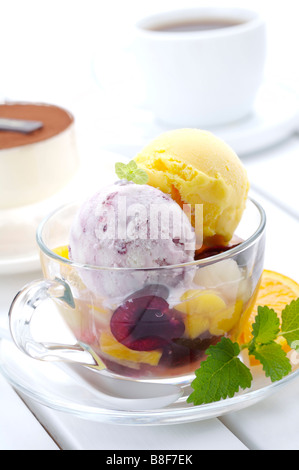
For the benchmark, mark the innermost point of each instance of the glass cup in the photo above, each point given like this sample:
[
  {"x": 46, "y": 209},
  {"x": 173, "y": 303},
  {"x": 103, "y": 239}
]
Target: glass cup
[{"x": 144, "y": 324}]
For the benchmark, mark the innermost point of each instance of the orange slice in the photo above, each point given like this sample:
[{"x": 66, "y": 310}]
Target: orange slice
[
  {"x": 113, "y": 348},
  {"x": 276, "y": 291}
]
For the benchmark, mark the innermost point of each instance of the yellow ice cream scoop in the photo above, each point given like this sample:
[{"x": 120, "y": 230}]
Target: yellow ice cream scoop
[{"x": 196, "y": 167}]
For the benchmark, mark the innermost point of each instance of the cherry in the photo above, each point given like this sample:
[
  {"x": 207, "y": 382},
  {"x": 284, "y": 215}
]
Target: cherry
[{"x": 146, "y": 323}]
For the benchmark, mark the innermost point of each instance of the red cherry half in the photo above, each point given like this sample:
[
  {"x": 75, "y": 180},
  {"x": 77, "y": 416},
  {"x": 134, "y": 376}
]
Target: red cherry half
[{"x": 146, "y": 323}]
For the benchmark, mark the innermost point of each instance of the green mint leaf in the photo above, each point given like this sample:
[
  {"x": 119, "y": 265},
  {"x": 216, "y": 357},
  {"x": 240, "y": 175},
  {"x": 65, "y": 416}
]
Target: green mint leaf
[
  {"x": 221, "y": 375},
  {"x": 266, "y": 327},
  {"x": 290, "y": 323},
  {"x": 274, "y": 360},
  {"x": 121, "y": 170},
  {"x": 131, "y": 172},
  {"x": 132, "y": 165},
  {"x": 141, "y": 177}
]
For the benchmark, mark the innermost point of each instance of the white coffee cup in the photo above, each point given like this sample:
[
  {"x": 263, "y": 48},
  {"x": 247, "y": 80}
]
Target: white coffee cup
[{"x": 202, "y": 78}]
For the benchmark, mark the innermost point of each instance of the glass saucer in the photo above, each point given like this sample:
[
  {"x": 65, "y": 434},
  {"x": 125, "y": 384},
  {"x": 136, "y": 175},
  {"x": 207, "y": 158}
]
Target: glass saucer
[{"x": 56, "y": 386}]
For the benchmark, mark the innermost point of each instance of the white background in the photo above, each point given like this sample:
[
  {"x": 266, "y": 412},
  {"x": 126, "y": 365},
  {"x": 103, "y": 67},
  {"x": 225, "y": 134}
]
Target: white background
[{"x": 47, "y": 47}]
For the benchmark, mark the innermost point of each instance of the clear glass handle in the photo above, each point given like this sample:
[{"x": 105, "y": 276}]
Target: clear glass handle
[{"x": 21, "y": 313}]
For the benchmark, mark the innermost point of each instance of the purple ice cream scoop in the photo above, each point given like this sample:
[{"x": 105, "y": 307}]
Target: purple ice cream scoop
[{"x": 127, "y": 225}]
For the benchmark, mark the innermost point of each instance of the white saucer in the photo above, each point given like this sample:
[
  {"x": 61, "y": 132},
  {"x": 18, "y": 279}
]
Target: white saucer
[
  {"x": 127, "y": 124},
  {"x": 18, "y": 247}
]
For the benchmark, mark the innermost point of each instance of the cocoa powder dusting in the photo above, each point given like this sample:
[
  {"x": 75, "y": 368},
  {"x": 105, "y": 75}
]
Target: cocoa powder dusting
[{"x": 54, "y": 119}]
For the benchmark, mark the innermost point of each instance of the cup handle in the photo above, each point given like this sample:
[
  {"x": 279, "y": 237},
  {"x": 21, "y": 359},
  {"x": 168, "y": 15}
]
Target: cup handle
[{"x": 21, "y": 313}]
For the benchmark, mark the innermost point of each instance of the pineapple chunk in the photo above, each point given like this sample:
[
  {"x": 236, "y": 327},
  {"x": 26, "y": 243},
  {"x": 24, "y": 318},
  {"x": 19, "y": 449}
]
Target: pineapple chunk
[
  {"x": 227, "y": 319},
  {"x": 201, "y": 301},
  {"x": 200, "y": 306},
  {"x": 195, "y": 325}
]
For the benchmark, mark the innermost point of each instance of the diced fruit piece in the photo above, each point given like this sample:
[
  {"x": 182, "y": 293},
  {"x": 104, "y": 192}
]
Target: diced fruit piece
[
  {"x": 276, "y": 291},
  {"x": 225, "y": 276},
  {"x": 175, "y": 355},
  {"x": 218, "y": 273},
  {"x": 201, "y": 301},
  {"x": 196, "y": 325},
  {"x": 109, "y": 345},
  {"x": 62, "y": 251},
  {"x": 227, "y": 319},
  {"x": 147, "y": 343},
  {"x": 99, "y": 363},
  {"x": 121, "y": 367},
  {"x": 200, "y": 307},
  {"x": 145, "y": 323},
  {"x": 125, "y": 317},
  {"x": 66, "y": 270}
]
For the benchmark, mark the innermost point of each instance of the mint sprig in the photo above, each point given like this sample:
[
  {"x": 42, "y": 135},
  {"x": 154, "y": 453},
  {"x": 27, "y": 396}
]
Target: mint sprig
[
  {"x": 290, "y": 323},
  {"x": 131, "y": 172},
  {"x": 274, "y": 360},
  {"x": 223, "y": 373},
  {"x": 266, "y": 326}
]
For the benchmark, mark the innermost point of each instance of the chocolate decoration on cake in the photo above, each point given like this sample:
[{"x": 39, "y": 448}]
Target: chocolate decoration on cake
[
  {"x": 54, "y": 119},
  {"x": 19, "y": 125}
]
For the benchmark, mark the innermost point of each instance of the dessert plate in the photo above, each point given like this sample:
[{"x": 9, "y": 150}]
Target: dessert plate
[{"x": 59, "y": 388}]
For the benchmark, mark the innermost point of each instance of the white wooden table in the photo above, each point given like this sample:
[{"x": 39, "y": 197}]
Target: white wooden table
[{"x": 271, "y": 424}]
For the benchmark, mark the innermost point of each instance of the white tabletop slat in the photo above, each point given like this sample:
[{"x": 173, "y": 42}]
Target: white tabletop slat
[
  {"x": 271, "y": 424},
  {"x": 19, "y": 429},
  {"x": 73, "y": 433}
]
